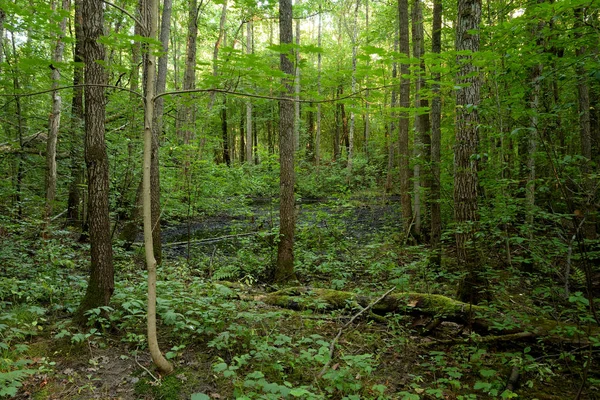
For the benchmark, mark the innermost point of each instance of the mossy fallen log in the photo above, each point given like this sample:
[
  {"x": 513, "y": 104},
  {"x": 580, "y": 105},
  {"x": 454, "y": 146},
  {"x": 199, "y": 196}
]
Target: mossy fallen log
[{"x": 481, "y": 319}]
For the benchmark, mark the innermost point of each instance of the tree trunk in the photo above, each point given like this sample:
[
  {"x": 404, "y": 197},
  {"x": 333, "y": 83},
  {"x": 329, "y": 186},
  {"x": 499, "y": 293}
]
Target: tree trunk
[
  {"x": 319, "y": 66},
  {"x": 352, "y": 117},
  {"x": 77, "y": 117},
  {"x": 585, "y": 132},
  {"x": 297, "y": 86},
  {"x": 392, "y": 124},
  {"x": 338, "y": 125},
  {"x": 284, "y": 270},
  {"x": 163, "y": 365},
  {"x": 473, "y": 286},
  {"x": 157, "y": 128},
  {"x": 224, "y": 135},
  {"x": 55, "y": 114},
  {"x": 220, "y": 39},
  {"x": 436, "y": 139},
  {"x": 101, "y": 282},
  {"x": 405, "y": 200},
  {"x": 187, "y": 112},
  {"x": 422, "y": 180},
  {"x": 248, "y": 102}
]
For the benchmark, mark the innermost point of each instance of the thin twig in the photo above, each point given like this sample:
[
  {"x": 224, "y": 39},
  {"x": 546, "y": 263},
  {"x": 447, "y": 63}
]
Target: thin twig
[
  {"x": 156, "y": 380},
  {"x": 333, "y": 343}
]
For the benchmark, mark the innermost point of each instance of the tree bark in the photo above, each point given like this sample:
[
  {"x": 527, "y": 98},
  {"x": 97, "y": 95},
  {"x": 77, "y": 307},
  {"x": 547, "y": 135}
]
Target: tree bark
[
  {"x": 249, "y": 126},
  {"x": 319, "y": 67},
  {"x": 403, "y": 121},
  {"x": 422, "y": 181},
  {"x": 352, "y": 116},
  {"x": 297, "y": 86},
  {"x": 54, "y": 123},
  {"x": 101, "y": 282},
  {"x": 472, "y": 288},
  {"x": 436, "y": 139},
  {"x": 77, "y": 117},
  {"x": 187, "y": 112},
  {"x": 284, "y": 270},
  {"x": 585, "y": 132}
]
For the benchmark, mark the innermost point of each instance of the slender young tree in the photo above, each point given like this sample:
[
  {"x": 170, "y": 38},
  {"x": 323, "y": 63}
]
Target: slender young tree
[
  {"x": 297, "y": 84},
  {"x": 157, "y": 126},
  {"x": 354, "y": 40},
  {"x": 187, "y": 111},
  {"x": 162, "y": 364},
  {"x": 249, "y": 119},
  {"x": 76, "y": 123},
  {"x": 405, "y": 200},
  {"x": 422, "y": 139},
  {"x": 436, "y": 138},
  {"x": 54, "y": 123},
  {"x": 472, "y": 288},
  {"x": 319, "y": 67},
  {"x": 284, "y": 270},
  {"x": 101, "y": 283}
]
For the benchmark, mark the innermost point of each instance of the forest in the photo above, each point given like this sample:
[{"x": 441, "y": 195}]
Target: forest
[{"x": 317, "y": 199}]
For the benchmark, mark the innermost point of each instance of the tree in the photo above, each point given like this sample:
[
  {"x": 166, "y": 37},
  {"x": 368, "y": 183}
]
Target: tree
[
  {"x": 54, "y": 123},
  {"x": 405, "y": 200},
  {"x": 101, "y": 283},
  {"x": 472, "y": 288},
  {"x": 436, "y": 138},
  {"x": 248, "y": 101},
  {"x": 422, "y": 140},
  {"x": 157, "y": 128},
  {"x": 77, "y": 117},
  {"x": 151, "y": 262},
  {"x": 284, "y": 269}
]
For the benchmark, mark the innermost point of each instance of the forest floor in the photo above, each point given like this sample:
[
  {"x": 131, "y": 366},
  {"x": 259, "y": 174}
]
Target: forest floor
[{"x": 226, "y": 342}]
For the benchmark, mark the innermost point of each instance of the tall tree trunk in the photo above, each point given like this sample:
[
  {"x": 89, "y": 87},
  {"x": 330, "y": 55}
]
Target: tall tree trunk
[
  {"x": 224, "y": 135},
  {"x": 132, "y": 222},
  {"x": 55, "y": 114},
  {"x": 187, "y": 114},
  {"x": 392, "y": 124},
  {"x": 297, "y": 85},
  {"x": 319, "y": 66},
  {"x": 2, "y": 18},
  {"x": 220, "y": 39},
  {"x": 248, "y": 101},
  {"x": 284, "y": 270},
  {"x": 338, "y": 125},
  {"x": 422, "y": 179},
  {"x": 158, "y": 127},
  {"x": 436, "y": 139},
  {"x": 77, "y": 117},
  {"x": 20, "y": 174},
  {"x": 163, "y": 365},
  {"x": 367, "y": 129},
  {"x": 352, "y": 117},
  {"x": 101, "y": 282},
  {"x": 585, "y": 132},
  {"x": 472, "y": 287},
  {"x": 403, "y": 121}
]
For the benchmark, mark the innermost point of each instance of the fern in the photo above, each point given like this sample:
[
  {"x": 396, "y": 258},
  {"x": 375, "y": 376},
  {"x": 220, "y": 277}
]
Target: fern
[{"x": 227, "y": 272}]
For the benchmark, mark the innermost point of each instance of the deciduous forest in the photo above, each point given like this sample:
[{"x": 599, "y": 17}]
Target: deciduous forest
[{"x": 317, "y": 199}]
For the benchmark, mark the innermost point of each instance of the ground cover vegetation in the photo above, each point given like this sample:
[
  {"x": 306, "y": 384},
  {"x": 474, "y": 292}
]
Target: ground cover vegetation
[{"x": 344, "y": 199}]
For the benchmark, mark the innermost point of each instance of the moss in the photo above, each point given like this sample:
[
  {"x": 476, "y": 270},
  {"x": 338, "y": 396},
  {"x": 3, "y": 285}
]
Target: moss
[{"x": 169, "y": 388}]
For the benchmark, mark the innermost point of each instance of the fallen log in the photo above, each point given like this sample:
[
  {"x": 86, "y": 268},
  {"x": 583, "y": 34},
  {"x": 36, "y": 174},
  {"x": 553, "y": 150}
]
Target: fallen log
[{"x": 480, "y": 319}]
